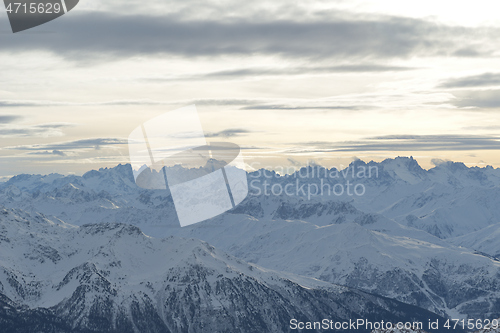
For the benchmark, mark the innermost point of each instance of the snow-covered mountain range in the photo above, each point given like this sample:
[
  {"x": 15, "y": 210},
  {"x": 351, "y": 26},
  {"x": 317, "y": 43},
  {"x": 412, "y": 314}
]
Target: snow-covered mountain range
[
  {"x": 110, "y": 277},
  {"x": 422, "y": 237}
]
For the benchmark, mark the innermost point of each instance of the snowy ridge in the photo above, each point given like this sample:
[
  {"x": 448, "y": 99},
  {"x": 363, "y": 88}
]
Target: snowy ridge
[
  {"x": 427, "y": 273},
  {"x": 484, "y": 241},
  {"x": 114, "y": 278}
]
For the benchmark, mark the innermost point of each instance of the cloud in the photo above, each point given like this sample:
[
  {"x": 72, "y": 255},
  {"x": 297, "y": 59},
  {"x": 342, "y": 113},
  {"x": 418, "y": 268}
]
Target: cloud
[
  {"x": 83, "y": 144},
  {"x": 438, "y": 161},
  {"x": 40, "y": 130},
  {"x": 6, "y": 119},
  {"x": 242, "y": 73},
  {"x": 106, "y": 36},
  {"x": 58, "y": 152},
  {"x": 247, "y": 104},
  {"x": 50, "y": 153},
  {"x": 405, "y": 143},
  {"x": 35, "y": 103},
  {"x": 294, "y": 162},
  {"x": 303, "y": 107},
  {"x": 361, "y": 101},
  {"x": 486, "y": 99},
  {"x": 4, "y": 104},
  {"x": 231, "y": 132},
  {"x": 253, "y": 148},
  {"x": 133, "y": 102},
  {"x": 482, "y": 80},
  {"x": 495, "y": 128},
  {"x": 360, "y": 68}
]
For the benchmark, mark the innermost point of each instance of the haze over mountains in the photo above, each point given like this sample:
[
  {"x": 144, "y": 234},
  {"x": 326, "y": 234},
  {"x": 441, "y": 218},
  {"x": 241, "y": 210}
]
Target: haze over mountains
[{"x": 422, "y": 237}]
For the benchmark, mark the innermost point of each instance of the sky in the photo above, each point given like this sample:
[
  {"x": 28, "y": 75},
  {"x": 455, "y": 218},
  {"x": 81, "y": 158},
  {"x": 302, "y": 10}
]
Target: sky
[{"x": 290, "y": 82}]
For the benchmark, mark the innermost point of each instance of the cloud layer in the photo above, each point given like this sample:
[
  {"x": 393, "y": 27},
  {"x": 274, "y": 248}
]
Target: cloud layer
[
  {"x": 107, "y": 36},
  {"x": 83, "y": 144},
  {"x": 405, "y": 143},
  {"x": 473, "y": 81},
  {"x": 40, "y": 130}
]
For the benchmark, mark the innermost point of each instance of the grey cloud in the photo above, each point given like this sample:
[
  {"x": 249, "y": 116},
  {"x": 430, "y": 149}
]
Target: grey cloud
[
  {"x": 294, "y": 162},
  {"x": 40, "y": 130},
  {"x": 469, "y": 51},
  {"x": 31, "y": 103},
  {"x": 405, "y": 143},
  {"x": 438, "y": 161},
  {"x": 253, "y": 148},
  {"x": 482, "y": 128},
  {"x": 94, "y": 143},
  {"x": 242, "y": 73},
  {"x": 231, "y": 132},
  {"x": 19, "y": 132},
  {"x": 222, "y": 102},
  {"x": 50, "y": 153},
  {"x": 302, "y": 107},
  {"x": 90, "y": 36},
  {"x": 481, "y": 99},
  {"x": 306, "y": 70},
  {"x": 55, "y": 125},
  {"x": 482, "y": 80},
  {"x": 4, "y": 104},
  {"x": 243, "y": 104},
  {"x": 208, "y": 102},
  {"x": 6, "y": 119},
  {"x": 58, "y": 152}
]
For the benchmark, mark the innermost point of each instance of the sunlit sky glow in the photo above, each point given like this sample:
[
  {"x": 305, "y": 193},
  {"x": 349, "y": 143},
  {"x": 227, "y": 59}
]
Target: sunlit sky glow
[{"x": 328, "y": 81}]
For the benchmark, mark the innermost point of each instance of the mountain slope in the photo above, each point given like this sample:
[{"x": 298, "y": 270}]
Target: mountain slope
[
  {"x": 485, "y": 240},
  {"x": 376, "y": 257},
  {"x": 113, "y": 278}
]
